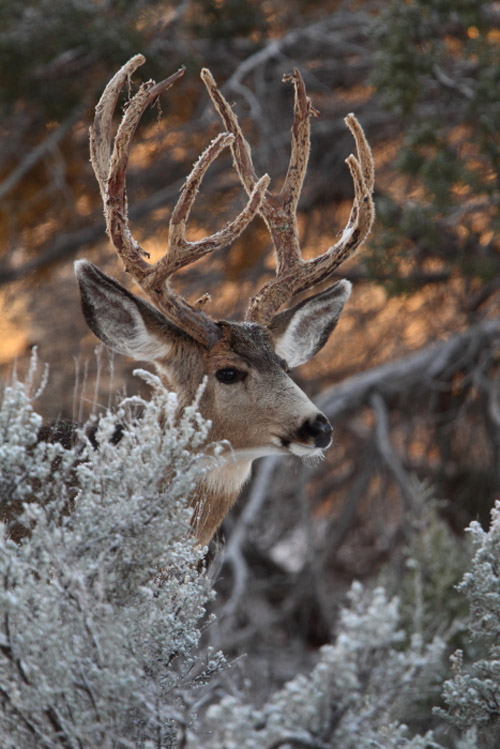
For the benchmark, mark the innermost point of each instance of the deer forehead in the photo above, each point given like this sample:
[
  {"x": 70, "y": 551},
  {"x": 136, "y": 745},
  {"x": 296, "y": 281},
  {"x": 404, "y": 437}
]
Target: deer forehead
[{"x": 242, "y": 342}]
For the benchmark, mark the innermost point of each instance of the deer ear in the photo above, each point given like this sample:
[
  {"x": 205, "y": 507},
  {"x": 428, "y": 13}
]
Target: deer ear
[
  {"x": 301, "y": 331},
  {"x": 124, "y": 322}
]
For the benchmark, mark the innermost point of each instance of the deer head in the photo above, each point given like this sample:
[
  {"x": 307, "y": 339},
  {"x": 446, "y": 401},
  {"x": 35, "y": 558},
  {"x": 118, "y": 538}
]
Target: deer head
[{"x": 249, "y": 396}]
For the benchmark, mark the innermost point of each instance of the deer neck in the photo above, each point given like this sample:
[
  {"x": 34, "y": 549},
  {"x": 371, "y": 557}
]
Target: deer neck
[{"x": 215, "y": 494}]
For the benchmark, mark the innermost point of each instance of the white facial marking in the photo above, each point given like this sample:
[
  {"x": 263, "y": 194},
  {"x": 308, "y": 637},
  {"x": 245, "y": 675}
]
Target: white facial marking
[
  {"x": 243, "y": 454},
  {"x": 230, "y": 476},
  {"x": 304, "y": 451}
]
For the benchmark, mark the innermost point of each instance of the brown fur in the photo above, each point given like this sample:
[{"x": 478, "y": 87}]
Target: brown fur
[
  {"x": 266, "y": 404},
  {"x": 263, "y": 412},
  {"x": 260, "y": 411}
]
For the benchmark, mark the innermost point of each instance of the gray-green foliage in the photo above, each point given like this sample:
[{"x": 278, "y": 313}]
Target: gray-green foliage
[
  {"x": 434, "y": 561},
  {"x": 100, "y": 607},
  {"x": 355, "y": 695},
  {"x": 473, "y": 694},
  {"x": 376, "y": 684},
  {"x": 425, "y": 580}
]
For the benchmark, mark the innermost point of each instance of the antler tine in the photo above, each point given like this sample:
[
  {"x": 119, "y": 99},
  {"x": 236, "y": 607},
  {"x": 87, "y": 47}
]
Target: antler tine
[
  {"x": 278, "y": 211},
  {"x": 361, "y": 218},
  {"x": 181, "y": 252},
  {"x": 110, "y": 165},
  {"x": 293, "y": 274},
  {"x": 240, "y": 147},
  {"x": 300, "y": 143},
  {"x": 116, "y": 203},
  {"x": 100, "y": 131},
  {"x": 309, "y": 273},
  {"x": 363, "y": 150}
]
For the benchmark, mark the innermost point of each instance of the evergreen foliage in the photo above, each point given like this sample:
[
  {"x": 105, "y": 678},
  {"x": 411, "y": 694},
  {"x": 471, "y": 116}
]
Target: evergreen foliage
[
  {"x": 49, "y": 47},
  {"x": 227, "y": 20},
  {"x": 437, "y": 68}
]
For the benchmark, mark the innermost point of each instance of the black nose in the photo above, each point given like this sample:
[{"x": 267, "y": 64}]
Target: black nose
[{"x": 320, "y": 430}]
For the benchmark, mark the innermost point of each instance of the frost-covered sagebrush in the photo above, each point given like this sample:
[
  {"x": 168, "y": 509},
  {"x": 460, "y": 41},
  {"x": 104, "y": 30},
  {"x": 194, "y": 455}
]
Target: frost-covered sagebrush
[
  {"x": 351, "y": 699},
  {"x": 100, "y": 603},
  {"x": 102, "y": 599},
  {"x": 473, "y": 694}
]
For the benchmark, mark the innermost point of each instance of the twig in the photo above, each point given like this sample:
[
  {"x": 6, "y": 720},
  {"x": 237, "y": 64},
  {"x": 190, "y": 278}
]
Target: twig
[
  {"x": 331, "y": 25},
  {"x": 299, "y": 740},
  {"x": 388, "y": 454},
  {"x": 342, "y": 524},
  {"x": 38, "y": 153},
  {"x": 233, "y": 552},
  {"x": 420, "y": 371}
]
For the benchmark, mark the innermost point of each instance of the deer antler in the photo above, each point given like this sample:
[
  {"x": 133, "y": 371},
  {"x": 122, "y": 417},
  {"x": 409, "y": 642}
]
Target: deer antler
[
  {"x": 279, "y": 211},
  {"x": 110, "y": 161}
]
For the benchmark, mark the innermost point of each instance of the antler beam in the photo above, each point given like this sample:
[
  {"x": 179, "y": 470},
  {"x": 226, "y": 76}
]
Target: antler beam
[
  {"x": 279, "y": 211},
  {"x": 110, "y": 161}
]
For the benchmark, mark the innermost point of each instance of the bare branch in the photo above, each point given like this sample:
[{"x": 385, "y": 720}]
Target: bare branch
[
  {"x": 422, "y": 370},
  {"x": 38, "y": 153},
  {"x": 344, "y": 522},
  {"x": 233, "y": 551},
  {"x": 388, "y": 454}
]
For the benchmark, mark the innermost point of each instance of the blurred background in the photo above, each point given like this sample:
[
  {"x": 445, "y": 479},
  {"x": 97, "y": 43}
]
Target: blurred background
[{"x": 410, "y": 377}]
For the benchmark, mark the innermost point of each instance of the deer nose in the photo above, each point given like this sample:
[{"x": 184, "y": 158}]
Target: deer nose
[{"x": 320, "y": 430}]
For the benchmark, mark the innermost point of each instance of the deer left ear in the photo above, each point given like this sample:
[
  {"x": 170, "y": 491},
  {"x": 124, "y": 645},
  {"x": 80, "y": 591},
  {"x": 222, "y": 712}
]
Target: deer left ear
[{"x": 301, "y": 331}]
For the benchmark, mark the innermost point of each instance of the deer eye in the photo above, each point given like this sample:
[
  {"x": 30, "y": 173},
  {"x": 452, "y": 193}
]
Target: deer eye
[{"x": 228, "y": 375}]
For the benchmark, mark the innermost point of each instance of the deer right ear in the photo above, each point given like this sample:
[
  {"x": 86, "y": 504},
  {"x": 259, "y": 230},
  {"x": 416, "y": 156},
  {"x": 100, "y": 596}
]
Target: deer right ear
[
  {"x": 124, "y": 322},
  {"x": 301, "y": 331}
]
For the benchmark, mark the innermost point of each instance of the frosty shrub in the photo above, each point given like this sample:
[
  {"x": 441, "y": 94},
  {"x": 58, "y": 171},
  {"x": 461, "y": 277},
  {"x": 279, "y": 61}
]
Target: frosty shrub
[
  {"x": 101, "y": 605},
  {"x": 376, "y": 684},
  {"x": 435, "y": 560},
  {"x": 102, "y": 601},
  {"x": 353, "y": 696},
  {"x": 425, "y": 578},
  {"x": 473, "y": 694}
]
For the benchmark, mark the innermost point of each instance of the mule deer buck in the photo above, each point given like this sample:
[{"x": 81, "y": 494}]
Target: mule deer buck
[{"x": 249, "y": 396}]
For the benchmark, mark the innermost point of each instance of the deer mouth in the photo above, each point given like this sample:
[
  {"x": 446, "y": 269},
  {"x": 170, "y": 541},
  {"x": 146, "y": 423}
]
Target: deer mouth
[
  {"x": 311, "y": 438},
  {"x": 306, "y": 451},
  {"x": 300, "y": 449}
]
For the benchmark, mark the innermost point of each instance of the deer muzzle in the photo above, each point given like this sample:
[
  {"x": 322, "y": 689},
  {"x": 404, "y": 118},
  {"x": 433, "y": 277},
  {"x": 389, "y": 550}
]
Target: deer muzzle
[{"x": 319, "y": 430}]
